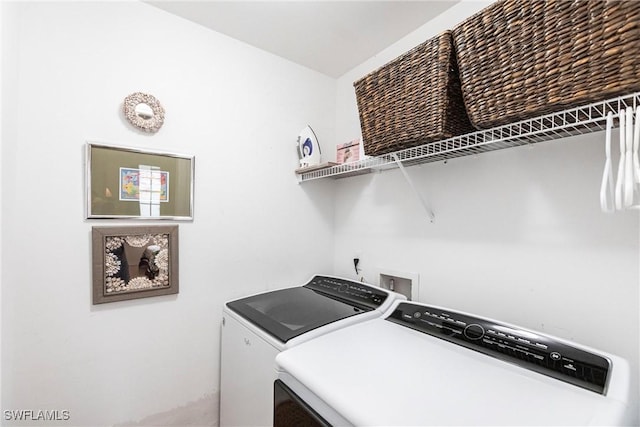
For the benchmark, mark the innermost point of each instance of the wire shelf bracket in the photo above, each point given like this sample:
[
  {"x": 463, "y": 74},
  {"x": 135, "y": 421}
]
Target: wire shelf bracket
[{"x": 422, "y": 200}]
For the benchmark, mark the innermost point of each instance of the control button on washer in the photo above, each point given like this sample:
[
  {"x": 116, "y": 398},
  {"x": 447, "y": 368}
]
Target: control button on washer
[
  {"x": 555, "y": 355},
  {"x": 474, "y": 331}
]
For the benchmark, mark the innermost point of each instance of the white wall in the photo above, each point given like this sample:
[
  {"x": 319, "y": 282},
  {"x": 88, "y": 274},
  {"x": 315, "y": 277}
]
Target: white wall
[
  {"x": 238, "y": 110},
  {"x": 518, "y": 234},
  {"x": 8, "y": 127},
  {"x": 6, "y": 13}
]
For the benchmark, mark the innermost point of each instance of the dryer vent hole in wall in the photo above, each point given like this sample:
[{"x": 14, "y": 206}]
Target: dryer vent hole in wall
[{"x": 402, "y": 283}]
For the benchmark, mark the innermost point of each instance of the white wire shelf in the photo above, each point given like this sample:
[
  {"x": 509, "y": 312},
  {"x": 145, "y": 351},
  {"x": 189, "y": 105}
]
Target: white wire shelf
[{"x": 576, "y": 121}]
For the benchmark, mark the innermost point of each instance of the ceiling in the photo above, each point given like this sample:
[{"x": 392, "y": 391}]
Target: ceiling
[{"x": 331, "y": 37}]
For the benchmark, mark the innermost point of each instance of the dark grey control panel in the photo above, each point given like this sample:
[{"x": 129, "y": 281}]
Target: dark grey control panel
[
  {"x": 355, "y": 293},
  {"x": 525, "y": 348}
]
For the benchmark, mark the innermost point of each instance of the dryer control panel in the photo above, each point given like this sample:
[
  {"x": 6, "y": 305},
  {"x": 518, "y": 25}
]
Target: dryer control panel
[
  {"x": 354, "y": 293},
  {"x": 528, "y": 349}
]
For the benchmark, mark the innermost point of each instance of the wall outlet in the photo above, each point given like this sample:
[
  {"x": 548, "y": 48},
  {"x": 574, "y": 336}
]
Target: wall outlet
[{"x": 407, "y": 284}]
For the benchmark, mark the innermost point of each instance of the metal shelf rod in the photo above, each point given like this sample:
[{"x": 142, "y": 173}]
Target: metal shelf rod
[{"x": 575, "y": 121}]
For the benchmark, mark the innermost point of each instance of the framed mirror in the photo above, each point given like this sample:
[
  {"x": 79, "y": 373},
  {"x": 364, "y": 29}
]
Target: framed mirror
[
  {"x": 144, "y": 112},
  {"x": 134, "y": 262}
]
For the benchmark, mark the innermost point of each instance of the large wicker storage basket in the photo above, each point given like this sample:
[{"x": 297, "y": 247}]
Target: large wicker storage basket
[
  {"x": 412, "y": 100},
  {"x": 523, "y": 58}
]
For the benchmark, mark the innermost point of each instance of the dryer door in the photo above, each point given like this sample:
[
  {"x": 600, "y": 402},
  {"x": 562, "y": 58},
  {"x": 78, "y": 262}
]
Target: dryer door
[{"x": 289, "y": 410}]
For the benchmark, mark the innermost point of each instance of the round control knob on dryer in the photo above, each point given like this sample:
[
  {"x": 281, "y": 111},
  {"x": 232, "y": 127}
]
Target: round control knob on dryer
[
  {"x": 343, "y": 288},
  {"x": 474, "y": 331}
]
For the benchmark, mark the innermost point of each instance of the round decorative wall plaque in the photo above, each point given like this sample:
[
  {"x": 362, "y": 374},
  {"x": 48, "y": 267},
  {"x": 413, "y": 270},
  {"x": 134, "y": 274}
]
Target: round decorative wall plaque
[{"x": 144, "y": 111}]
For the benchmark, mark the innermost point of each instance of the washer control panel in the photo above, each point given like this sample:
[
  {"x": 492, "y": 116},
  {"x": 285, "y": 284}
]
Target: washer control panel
[
  {"x": 349, "y": 291},
  {"x": 528, "y": 349}
]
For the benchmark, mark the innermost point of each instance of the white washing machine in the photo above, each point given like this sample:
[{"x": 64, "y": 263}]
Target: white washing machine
[
  {"x": 425, "y": 365},
  {"x": 256, "y": 328}
]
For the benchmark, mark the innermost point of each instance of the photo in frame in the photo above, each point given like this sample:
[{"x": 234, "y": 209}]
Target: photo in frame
[
  {"x": 134, "y": 262},
  {"x": 129, "y": 187},
  {"x": 124, "y": 182}
]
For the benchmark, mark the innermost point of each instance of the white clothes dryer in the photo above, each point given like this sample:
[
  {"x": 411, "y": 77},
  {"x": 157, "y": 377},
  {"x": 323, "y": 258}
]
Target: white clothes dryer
[
  {"x": 256, "y": 328},
  {"x": 424, "y": 366}
]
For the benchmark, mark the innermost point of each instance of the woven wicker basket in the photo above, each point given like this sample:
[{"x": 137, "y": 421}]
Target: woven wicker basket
[
  {"x": 524, "y": 58},
  {"x": 412, "y": 100}
]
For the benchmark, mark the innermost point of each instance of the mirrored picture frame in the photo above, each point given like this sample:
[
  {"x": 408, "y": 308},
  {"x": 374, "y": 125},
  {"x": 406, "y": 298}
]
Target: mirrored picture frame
[
  {"x": 134, "y": 183},
  {"x": 133, "y": 262}
]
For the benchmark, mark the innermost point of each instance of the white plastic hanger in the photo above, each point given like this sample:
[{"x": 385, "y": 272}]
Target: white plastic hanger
[
  {"x": 621, "y": 163},
  {"x": 635, "y": 163},
  {"x": 629, "y": 182},
  {"x": 607, "y": 187},
  {"x": 636, "y": 143}
]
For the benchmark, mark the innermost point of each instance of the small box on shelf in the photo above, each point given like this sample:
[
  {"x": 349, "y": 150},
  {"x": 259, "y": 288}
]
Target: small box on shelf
[{"x": 349, "y": 152}]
